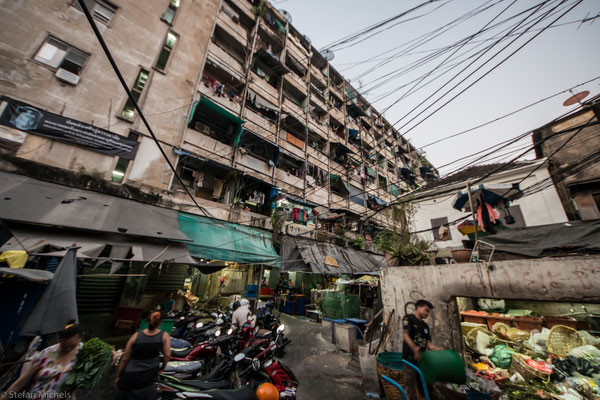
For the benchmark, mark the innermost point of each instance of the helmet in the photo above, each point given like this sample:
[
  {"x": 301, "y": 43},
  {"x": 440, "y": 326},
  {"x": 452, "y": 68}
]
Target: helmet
[
  {"x": 236, "y": 304},
  {"x": 245, "y": 302},
  {"x": 267, "y": 391}
]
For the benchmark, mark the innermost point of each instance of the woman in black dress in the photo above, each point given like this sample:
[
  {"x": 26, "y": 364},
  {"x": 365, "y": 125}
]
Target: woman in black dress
[{"x": 140, "y": 363}]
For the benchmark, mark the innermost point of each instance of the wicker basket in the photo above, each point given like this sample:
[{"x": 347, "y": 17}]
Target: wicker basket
[
  {"x": 563, "y": 339},
  {"x": 519, "y": 364},
  {"x": 471, "y": 336},
  {"x": 395, "y": 373}
]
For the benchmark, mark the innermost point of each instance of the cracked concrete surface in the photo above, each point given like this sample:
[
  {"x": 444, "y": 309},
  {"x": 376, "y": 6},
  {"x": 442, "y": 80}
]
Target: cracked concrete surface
[{"x": 323, "y": 372}]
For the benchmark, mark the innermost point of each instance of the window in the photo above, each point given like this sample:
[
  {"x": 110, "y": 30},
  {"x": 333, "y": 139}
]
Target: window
[
  {"x": 101, "y": 10},
  {"x": 169, "y": 15},
  {"x": 137, "y": 89},
  {"x": 383, "y": 182},
  {"x": 166, "y": 51},
  {"x": 119, "y": 172},
  {"x": 58, "y": 54},
  {"x": 357, "y": 195},
  {"x": 440, "y": 229}
]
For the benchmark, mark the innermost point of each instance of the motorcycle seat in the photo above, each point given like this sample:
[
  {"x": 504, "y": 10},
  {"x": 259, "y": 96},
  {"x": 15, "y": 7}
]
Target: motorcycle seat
[
  {"x": 245, "y": 393},
  {"x": 183, "y": 366},
  {"x": 181, "y": 353},
  {"x": 179, "y": 343},
  {"x": 206, "y": 385}
]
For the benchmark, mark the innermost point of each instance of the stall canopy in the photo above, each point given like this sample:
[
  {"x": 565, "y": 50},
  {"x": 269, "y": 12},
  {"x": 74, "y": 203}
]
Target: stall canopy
[
  {"x": 306, "y": 255},
  {"x": 31, "y": 201},
  {"x": 491, "y": 193},
  {"x": 53, "y": 242},
  {"x": 219, "y": 240},
  {"x": 536, "y": 241}
]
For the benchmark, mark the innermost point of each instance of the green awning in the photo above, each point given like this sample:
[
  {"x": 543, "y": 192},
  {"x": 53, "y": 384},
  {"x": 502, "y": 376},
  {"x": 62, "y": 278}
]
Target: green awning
[
  {"x": 217, "y": 109},
  {"x": 338, "y": 182},
  {"x": 220, "y": 240},
  {"x": 371, "y": 172},
  {"x": 394, "y": 190}
]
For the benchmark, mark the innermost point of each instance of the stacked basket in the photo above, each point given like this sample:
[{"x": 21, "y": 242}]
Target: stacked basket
[{"x": 390, "y": 365}]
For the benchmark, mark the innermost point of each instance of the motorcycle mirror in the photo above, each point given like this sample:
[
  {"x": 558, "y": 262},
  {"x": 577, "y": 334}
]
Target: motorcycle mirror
[
  {"x": 181, "y": 318},
  {"x": 218, "y": 333},
  {"x": 199, "y": 325},
  {"x": 230, "y": 331},
  {"x": 280, "y": 328},
  {"x": 239, "y": 357}
]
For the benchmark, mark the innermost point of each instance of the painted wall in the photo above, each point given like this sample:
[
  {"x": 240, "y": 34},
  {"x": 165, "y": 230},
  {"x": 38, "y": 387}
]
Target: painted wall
[
  {"x": 561, "y": 279},
  {"x": 538, "y": 209}
]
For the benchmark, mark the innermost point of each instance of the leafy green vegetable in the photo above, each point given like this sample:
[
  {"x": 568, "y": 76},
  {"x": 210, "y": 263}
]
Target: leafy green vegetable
[{"x": 92, "y": 362}]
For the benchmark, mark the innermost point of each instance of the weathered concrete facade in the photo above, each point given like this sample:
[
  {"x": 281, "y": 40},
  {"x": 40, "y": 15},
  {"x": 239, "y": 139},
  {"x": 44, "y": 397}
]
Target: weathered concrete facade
[
  {"x": 282, "y": 90},
  {"x": 559, "y": 279},
  {"x": 572, "y": 143}
]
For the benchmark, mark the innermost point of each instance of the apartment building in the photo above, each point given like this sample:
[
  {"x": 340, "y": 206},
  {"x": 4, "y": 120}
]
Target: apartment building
[{"x": 253, "y": 117}]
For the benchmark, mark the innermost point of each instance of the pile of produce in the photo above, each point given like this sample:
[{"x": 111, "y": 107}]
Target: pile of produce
[
  {"x": 533, "y": 364},
  {"x": 91, "y": 364}
]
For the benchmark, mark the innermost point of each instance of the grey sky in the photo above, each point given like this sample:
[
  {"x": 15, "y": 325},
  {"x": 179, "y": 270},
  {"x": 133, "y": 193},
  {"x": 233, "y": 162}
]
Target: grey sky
[{"x": 559, "y": 58}]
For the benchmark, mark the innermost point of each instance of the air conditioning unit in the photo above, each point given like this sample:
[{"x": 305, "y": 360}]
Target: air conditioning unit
[
  {"x": 66, "y": 76},
  {"x": 202, "y": 127}
]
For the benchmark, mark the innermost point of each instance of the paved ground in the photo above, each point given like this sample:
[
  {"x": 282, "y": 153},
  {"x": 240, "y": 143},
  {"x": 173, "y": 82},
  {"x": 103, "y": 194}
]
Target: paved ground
[{"x": 323, "y": 372}]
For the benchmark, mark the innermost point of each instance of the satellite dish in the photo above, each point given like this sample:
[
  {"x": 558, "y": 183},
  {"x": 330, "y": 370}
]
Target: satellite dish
[
  {"x": 576, "y": 98},
  {"x": 286, "y": 15},
  {"x": 328, "y": 55}
]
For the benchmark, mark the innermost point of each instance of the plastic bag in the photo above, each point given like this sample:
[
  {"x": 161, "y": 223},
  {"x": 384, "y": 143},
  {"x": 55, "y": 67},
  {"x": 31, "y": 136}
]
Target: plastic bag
[
  {"x": 482, "y": 343},
  {"x": 502, "y": 356},
  {"x": 588, "y": 352},
  {"x": 537, "y": 341}
]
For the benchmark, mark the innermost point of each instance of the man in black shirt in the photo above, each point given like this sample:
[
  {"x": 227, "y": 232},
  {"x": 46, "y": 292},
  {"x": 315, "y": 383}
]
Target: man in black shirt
[{"x": 417, "y": 339}]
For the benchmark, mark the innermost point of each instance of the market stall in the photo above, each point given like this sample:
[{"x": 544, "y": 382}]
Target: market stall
[{"x": 530, "y": 350}]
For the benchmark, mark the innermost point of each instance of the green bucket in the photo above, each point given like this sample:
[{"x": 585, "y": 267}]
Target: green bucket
[
  {"x": 442, "y": 366},
  {"x": 392, "y": 360}
]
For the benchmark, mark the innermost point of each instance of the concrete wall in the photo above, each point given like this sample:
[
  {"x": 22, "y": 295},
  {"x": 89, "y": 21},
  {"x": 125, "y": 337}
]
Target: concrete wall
[
  {"x": 539, "y": 208},
  {"x": 561, "y": 279},
  {"x": 135, "y": 37}
]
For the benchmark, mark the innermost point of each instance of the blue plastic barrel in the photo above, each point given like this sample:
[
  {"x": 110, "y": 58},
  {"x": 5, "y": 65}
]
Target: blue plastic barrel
[{"x": 360, "y": 326}]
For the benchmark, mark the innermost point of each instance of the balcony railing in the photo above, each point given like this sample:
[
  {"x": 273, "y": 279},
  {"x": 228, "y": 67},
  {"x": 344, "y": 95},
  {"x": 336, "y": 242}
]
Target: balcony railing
[
  {"x": 225, "y": 102},
  {"x": 263, "y": 89},
  {"x": 220, "y": 57},
  {"x": 296, "y": 81},
  {"x": 260, "y": 125},
  {"x": 245, "y": 6},
  {"x": 233, "y": 28}
]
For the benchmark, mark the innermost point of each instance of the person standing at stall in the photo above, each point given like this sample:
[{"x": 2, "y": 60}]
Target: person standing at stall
[
  {"x": 417, "y": 339},
  {"x": 49, "y": 368},
  {"x": 140, "y": 363}
]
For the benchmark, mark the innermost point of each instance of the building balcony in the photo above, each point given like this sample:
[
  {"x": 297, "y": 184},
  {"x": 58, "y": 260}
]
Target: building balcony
[
  {"x": 287, "y": 145},
  {"x": 223, "y": 59},
  {"x": 247, "y": 160},
  {"x": 297, "y": 82},
  {"x": 199, "y": 143},
  {"x": 318, "y": 195},
  {"x": 260, "y": 125},
  {"x": 245, "y": 6},
  {"x": 224, "y": 102},
  {"x": 318, "y": 128},
  {"x": 337, "y": 114},
  {"x": 297, "y": 51},
  {"x": 292, "y": 108},
  {"x": 237, "y": 31},
  {"x": 318, "y": 102},
  {"x": 338, "y": 202},
  {"x": 318, "y": 75},
  {"x": 316, "y": 157},
  {"x": 357, "y": 208},
  {"x": 263, "y": 89},
  {"x": 282, "y": 176},
  {"x": 336, "y": 91}
]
